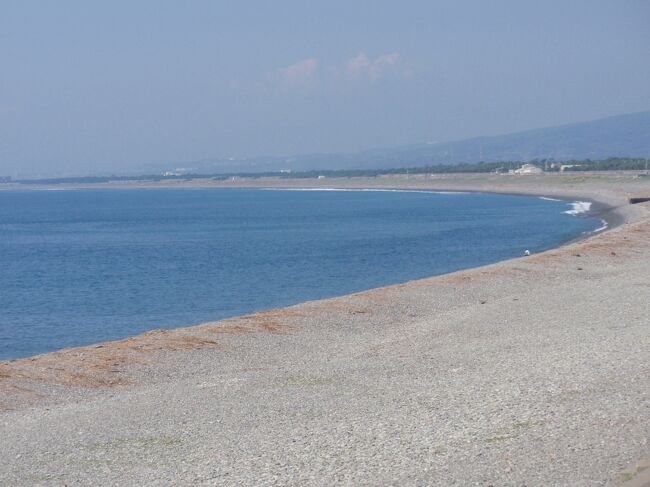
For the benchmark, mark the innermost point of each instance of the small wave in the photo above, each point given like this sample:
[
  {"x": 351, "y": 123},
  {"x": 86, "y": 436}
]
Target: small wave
[
  {"x": 579, "y": 207},
  {"x": 602, "y": 227},
  {"x": 548, "y": 199}
]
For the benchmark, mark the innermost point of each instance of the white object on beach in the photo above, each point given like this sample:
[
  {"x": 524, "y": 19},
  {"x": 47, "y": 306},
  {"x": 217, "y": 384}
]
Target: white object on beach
[{"x": 526, "y": 252}]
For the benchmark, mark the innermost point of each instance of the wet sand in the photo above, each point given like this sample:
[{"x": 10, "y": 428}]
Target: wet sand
[{"x": 532, "y": 371}]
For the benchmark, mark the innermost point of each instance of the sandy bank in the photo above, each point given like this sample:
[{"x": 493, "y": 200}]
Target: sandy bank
[{"x": 532, "y": 371}]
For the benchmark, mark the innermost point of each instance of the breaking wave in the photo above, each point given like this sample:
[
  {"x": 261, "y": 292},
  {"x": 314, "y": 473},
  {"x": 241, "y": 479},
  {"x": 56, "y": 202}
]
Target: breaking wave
[{"x": 579, "y": 207}]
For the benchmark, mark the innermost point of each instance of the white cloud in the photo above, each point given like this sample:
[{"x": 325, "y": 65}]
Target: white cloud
[
  {"x": 301, "y": 73},
  {"x": 306, "y": 75},
  {"x": 361, "y": 66}
]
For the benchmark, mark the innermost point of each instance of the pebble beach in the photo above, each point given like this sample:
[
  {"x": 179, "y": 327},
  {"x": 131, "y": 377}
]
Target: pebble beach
[{"x": 530, "y": 372}]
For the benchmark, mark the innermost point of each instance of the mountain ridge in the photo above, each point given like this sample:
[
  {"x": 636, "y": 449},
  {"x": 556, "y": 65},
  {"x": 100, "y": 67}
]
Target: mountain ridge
[{"x": 626, "y": 135}]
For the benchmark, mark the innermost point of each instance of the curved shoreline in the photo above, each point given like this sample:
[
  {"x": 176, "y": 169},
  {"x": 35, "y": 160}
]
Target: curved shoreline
[
  {"x": 528, "y": 371},
  {"x": 605, "y": 207},
  {"x": 607, "y": 213},
  {"x": 613, "y": 215}
]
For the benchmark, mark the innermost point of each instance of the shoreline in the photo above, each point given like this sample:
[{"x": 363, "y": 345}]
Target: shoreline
[
  {"x": 609, "y": 215},
  {"x": 531, "y": 370},
  {"x": 600, "y": 206},
  {"x": 613, "y": 215}
]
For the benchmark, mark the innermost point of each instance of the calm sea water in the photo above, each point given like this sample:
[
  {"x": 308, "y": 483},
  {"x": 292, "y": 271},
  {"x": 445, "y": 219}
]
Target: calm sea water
[{"x": 78, "y": 267}]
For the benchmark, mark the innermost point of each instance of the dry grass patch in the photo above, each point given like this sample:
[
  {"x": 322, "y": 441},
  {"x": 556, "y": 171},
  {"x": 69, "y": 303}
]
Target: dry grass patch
[
  {"x": 273, "y": 321},
  {"x": 98, "y": 365},
  {"x": 106, "y": 364}
]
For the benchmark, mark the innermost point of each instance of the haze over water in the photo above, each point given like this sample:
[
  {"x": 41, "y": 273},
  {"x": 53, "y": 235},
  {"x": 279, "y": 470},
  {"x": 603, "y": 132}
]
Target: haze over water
[{"x": 83, "y": 266}]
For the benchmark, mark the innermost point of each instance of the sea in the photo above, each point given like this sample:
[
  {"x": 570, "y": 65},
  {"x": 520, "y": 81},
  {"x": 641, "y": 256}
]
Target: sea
[{"x": 84, "y": 266}]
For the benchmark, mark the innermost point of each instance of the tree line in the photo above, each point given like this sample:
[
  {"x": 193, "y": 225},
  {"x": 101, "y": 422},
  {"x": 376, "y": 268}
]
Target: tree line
[{"x": 609, "y": 164}]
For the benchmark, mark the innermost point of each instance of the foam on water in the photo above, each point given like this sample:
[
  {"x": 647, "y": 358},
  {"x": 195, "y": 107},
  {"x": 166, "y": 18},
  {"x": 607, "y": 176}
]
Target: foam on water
[
  {"x": 602, "y": 227},
  {"x": 579, "y": 207}
]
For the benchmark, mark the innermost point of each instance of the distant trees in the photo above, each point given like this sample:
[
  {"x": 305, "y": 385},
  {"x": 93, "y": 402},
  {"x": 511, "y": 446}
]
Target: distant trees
[{"x": 610, "y": 164}]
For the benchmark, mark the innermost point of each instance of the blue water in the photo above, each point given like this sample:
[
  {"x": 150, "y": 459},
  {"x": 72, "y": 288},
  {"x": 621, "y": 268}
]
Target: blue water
[{"x": 78, "y": 267}]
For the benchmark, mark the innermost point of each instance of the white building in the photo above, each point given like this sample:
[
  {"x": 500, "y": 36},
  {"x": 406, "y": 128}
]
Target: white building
[{"x": 529, "y": 169}]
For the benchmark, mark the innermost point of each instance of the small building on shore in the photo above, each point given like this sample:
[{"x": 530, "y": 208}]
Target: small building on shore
[{"x": 528, "y": 169}]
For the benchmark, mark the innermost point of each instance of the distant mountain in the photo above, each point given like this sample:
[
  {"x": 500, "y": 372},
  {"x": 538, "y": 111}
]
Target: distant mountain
[{"x": 623, "y": 135}]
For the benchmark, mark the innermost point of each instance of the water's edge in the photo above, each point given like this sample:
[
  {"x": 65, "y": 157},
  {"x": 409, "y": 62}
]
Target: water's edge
[{"x": 612, "y": 215}]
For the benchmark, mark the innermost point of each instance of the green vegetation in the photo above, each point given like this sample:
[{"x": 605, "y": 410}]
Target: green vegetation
[{"x": 610, "y": 164}]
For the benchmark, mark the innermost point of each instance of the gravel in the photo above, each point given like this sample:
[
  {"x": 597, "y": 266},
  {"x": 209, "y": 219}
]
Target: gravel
[{"x": 527, "y": 372}]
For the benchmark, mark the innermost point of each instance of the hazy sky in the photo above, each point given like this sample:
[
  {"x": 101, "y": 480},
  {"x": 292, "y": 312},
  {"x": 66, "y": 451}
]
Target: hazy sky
[{"x": 89, "y": 86}]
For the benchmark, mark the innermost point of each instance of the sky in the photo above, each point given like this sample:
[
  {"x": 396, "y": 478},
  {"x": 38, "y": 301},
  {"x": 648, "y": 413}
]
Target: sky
[{"x": 122, "y": 86}]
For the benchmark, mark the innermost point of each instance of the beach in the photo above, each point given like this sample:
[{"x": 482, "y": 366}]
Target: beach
[{"x": 532, "y": 371}]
